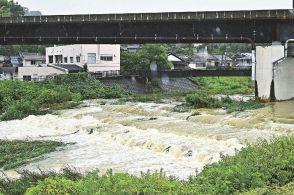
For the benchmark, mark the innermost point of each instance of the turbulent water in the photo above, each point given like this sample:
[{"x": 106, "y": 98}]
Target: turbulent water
[{"x": 134, "y": 137}]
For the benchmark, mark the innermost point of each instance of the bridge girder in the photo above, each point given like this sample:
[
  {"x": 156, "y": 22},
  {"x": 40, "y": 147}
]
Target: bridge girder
[{"x": 263, "y": 27}]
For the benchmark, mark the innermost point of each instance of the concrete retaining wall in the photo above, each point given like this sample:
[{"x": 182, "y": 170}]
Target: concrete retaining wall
[
  {"x": 284, "y": 79},
  {"x": 265, "y": 56}
]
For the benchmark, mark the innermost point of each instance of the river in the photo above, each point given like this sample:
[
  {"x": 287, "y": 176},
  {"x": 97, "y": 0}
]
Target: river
[{"x": 133, "y": 137}]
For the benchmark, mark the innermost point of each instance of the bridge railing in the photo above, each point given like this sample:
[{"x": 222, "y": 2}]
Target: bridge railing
[{"x": 259, "y": 14}]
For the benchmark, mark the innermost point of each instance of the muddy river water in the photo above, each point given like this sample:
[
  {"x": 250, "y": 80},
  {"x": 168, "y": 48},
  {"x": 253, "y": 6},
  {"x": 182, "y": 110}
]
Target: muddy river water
[{"x": 133, "y": 137}]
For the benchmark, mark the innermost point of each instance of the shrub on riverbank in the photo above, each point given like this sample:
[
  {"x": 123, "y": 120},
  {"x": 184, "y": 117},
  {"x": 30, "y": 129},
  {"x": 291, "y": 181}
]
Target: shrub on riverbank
[
  {"x": 263, "y": 166},
  {"x": 225, "y": 85},
  {"x": 17, "y": 153},
  {"x": 19, "y": 99},
  {"x": 200, "y": 99}
]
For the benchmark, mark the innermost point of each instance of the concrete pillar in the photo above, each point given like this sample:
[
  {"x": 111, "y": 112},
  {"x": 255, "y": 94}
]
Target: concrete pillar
[
  {"x": 284, "y": 79},
  {"x": 265, "y": 56}
]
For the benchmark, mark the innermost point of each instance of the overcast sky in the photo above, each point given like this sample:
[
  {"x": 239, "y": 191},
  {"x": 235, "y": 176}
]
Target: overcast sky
[{"x": 134, "y": 6}]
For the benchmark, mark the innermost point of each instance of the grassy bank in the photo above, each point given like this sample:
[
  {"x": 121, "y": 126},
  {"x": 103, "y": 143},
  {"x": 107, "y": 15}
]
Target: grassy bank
[
  {"x": 259, "y": 167},
  {"x": 17, "y": 153},
  {"x": 19, "y": 99},
  {"x": 211, "y": 86},
  {"x": 225, "y": 85}
]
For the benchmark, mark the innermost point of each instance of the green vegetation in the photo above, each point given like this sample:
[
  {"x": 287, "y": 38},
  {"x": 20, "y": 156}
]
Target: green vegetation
[
  {"x": 156, "y": 97},
  {"x": 257, "y": 166},
  {"x": 30, "y": 179},
  {"x": 10, "y": 8},
  {"x": 17, "y": 153},
  {"x": 187, "y": 49},
  {"x": 230, "y": 49},
  {"x": 8, "y": 50},
  {"x": 202, "y": 100},
  {"x": 225, "y": 85},
  {"x": 140, "y": 61},
  {"x": 19, "y": 99},
  {"x": 284, "y": 190},
  {"x": 263, "y": 168},
  {"x": 211, "y": 86}
]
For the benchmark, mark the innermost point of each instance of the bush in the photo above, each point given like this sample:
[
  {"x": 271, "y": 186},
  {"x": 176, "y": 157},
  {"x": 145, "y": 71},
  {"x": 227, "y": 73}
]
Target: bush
[
  {"x": 201, "y": 100},
  {"x": 19, "y": 99},
  {"x": 257, "y": 166},
  {"x": 16, "y": 153},
  {"x": 19, "y": 109},
  {"x": 60, "y": 186},
  {"x": 233, "y": 106},
  {"x": 225, "y": 85}
]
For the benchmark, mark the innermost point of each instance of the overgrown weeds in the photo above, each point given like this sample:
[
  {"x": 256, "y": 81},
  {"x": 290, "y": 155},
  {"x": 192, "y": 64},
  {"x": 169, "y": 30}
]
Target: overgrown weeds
[
  {"x": 19, "y": 99},
  {"x": 16, "y": 153}
]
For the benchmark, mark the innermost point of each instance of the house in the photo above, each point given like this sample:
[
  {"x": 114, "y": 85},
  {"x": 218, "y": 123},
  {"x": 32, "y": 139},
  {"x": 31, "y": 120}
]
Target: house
[
  {"x": 244, "y": 59},
  {"x": 95, "y": 58},
  {"x": 222, "y": 60},
  {"x": 201, "y": 60},
  {"x": 32, "y": 59},
  {"x": 38, "y": 73},
  {"x": 178, "y": 63}
]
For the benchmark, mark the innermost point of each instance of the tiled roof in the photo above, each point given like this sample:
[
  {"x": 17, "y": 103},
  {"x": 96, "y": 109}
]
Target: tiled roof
[{"x": 33, "y": 56}]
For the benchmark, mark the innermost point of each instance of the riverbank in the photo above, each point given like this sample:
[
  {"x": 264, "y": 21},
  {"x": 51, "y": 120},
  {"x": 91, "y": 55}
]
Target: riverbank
[
  {"x": 251, "y": 171},
  {"x": 19, "y": 99},
  {"x": 131, "y": 137}
]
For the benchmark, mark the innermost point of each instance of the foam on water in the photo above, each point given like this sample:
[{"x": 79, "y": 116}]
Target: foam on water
[{"x": 138, "y": 137}]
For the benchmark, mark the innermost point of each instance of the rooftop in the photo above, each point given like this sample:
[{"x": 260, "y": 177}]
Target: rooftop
[{"x": 33, "y": 56}]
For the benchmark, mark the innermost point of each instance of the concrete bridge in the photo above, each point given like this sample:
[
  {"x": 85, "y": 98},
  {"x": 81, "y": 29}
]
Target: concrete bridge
[
  {"x": 273, "y": 70},
  {"x": 263, "y": 26}
]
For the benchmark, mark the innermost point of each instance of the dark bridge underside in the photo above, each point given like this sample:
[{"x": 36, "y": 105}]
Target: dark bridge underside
[{"x": 68, "y": 30}]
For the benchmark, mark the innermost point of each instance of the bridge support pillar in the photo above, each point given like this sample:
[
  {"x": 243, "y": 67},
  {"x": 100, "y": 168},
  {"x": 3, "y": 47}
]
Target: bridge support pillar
[
  {"x": 284, "y": 77},
  {"x": 265, "y": 57}
]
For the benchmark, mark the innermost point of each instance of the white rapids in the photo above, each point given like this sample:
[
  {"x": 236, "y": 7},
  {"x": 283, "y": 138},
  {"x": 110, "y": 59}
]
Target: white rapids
[{"x": 135, "y": 137}]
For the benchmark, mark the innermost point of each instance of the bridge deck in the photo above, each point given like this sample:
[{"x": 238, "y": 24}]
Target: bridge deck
[{"x": 166, "y": 16}]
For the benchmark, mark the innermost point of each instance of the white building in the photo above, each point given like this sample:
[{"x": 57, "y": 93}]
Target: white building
[
  {"x": 97, "y": 58},
  {"x": 38, "y": 73},
  {"x": 32, "y": 59}
]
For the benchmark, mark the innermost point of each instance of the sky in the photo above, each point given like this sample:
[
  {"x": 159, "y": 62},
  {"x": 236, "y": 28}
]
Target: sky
[{"x": 64, "y": 7}]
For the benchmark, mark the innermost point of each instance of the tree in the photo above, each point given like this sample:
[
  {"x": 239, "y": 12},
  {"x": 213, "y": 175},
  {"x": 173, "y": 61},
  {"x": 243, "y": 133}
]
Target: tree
[
  {"x": 183, "y": 49},
  {"x": 140, "y": 61},
  {"x": 10, "y": 8}
]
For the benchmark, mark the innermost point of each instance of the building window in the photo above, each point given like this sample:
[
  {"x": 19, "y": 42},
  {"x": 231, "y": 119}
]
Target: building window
[
  {"x": 58, "y": 59},
  {"x": 106, "y": 58},
  {"x": 50, "y": 59},
  {"x": 33, "y": 62},
  {"x": 71, "y": 60},
  {"x": 78, "y": 59},
  {"x": 91, "y": 58},
  {"x": 65, "y": 60},
  {"x": 27, "y": 78}
]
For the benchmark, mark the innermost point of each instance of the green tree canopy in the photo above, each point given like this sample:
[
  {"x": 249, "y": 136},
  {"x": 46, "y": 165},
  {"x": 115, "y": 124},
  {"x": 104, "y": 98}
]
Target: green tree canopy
[
  {"x": 10, "y": 8},
  {"x": 140, "y": 61}
]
